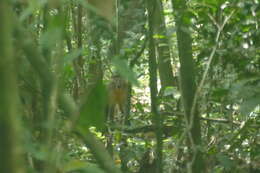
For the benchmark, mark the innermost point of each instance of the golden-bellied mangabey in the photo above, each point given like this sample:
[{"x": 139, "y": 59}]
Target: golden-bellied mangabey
[{"x": 117, "y": 98}]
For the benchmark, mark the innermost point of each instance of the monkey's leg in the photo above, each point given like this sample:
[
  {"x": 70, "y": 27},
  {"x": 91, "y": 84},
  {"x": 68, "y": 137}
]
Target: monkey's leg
[
  {"x": 123, "y": 115},
  {"x": 109, "y": 144},
  {"x": 109, "y": 133},
  {"x": 111, "y": 114}
]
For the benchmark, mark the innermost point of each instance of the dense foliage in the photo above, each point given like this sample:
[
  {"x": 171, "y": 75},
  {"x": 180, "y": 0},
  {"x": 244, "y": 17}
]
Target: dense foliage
[{"x": 132, "y": 86}]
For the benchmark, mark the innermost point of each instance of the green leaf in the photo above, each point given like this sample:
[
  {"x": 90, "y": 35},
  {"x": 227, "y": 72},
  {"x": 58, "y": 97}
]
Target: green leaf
[
  {"x": 158, "y": 36},
  {"x": 219, "y": 93},
  {"x": 250, "y": 104},
  {"x": 72, "y": 55},
  {"x": 124, "y": 70},
  {"x": 50, "y": 38},
  {"x": 172, "y": 91},
  {"x": 78, "y": 165},
  {"x": 225, "y": 161},
  {"x": 92, "y": 112}
]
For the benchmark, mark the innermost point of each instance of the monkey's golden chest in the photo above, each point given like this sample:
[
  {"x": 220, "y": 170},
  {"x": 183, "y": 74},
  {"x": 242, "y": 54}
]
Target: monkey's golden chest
[{"x": 118, "y": 96}]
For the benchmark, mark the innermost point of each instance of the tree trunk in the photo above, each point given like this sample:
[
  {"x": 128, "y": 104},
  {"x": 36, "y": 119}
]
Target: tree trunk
[
  {"x": 78, "y": 63},
  {"x": 9, "y": 157},
  {"x": 187, "y": 80},
  {"x": 163, "y": 47},
  {"x": 157, "y": 119}
]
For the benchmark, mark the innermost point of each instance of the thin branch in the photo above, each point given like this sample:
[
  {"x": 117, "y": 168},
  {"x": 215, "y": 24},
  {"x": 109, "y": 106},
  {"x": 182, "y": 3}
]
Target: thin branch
[
  {"x": 170, "y": 128},
  {"x": 201, "y": 84},
  {"x": 221, "y": 121},
  {"x": 138, "y": 55},
  {"x": 199, "y": 88}
]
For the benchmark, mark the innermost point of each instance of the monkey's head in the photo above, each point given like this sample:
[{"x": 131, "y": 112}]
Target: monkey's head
[{"x": 118, "y": 82}]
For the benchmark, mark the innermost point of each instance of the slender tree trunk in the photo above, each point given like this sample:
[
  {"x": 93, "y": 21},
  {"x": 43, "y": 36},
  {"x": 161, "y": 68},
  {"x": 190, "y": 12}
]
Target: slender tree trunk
[
  {"x": 45, "y": 47},
  {"x": 187, "y": 80},
  {"x": 162, "y": 46},
  {"x": 157, "y": 119},
  {"x": 78, "y": 63},
  {"x": 9, "y": 157}
]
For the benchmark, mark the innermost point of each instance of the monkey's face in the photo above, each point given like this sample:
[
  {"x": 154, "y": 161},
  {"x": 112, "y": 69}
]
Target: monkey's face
[{"x": 118, "y": 82}]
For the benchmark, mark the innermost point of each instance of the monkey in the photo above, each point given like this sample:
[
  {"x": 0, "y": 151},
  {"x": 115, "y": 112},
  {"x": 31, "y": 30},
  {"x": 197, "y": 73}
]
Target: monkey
[
  {"x": 117, "y": 96},
  {"x": 117, "y": 91}
]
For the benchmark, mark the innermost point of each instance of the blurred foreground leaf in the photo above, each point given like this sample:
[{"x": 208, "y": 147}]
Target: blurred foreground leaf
[
  {"x": 78, "y": 165},
  {"x": 93, "y": 109}
]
